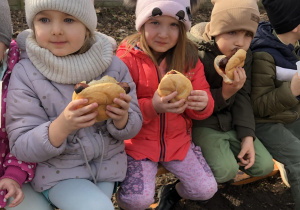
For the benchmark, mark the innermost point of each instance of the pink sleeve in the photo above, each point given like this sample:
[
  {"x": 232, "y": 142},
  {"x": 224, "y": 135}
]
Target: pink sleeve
[
  {"x": 17, "y": 170},
  {"x": 10, "y": 167}
]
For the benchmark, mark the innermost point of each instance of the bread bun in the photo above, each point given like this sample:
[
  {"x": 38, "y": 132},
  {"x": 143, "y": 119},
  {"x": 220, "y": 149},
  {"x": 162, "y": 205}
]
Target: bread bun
[
  {"x": 175, "y": 81},
  {"x": 237, "y": 60},
  {"x": 101, "y": 91}
]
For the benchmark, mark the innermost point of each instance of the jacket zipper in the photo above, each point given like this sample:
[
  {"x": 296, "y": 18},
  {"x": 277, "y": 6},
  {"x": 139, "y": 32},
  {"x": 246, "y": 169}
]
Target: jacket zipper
[
  {"x": 162, "y": 129},
  {"x": 162, "y": 139}
]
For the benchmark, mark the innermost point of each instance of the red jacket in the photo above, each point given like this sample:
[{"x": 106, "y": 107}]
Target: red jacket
[{"x": 167, "y": 136}]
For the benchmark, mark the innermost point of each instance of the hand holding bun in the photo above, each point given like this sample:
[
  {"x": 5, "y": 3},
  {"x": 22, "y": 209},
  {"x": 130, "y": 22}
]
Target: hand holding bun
[
  {"x": 175, "y": 81},
  {"x": 102, "y": 92},
  {"x": 226, "y": 66}
]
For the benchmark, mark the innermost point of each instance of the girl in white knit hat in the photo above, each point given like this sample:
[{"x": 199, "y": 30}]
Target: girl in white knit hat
[
  {"x": 160, "y": 46},
  {"x": 78, "y": 159}
]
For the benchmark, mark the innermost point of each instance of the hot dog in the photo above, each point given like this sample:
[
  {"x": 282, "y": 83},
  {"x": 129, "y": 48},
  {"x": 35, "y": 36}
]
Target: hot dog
[
  {"x": 175, "y": 81},
  {"x": 225, "y": 66},
  {"x": 102, "y": 92}
]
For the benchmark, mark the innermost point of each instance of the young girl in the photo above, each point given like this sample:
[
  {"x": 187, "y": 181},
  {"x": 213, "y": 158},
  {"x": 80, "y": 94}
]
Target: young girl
[
  {"x": 161, "y": 45},
  {"x": 78, "y": 160}
]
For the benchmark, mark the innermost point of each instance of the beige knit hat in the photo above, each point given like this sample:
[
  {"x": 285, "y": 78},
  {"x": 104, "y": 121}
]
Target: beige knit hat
[
  {"x": 83, "y": 10},
  {"x": 231, "y": 15}
]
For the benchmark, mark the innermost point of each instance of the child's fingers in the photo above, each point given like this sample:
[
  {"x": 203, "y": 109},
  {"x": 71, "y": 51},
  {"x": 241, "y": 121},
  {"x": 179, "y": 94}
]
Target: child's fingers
[
  {"x": 168, "y": 98},
  {"x": 123, "y": 102},
  {"x": 18, "y": 198},
  {"x": 127, "y": 98},
  {"x": 73, "y": 105},
  {"x": 86, "y": 109},
  {"x": 178, "y": 109}
]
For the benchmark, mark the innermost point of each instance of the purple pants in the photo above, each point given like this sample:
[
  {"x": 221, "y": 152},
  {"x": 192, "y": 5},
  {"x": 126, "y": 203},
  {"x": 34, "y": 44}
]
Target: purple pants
[{"x": 197, "y": 181}]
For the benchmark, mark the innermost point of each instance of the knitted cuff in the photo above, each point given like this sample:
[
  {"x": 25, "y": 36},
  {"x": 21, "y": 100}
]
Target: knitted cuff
[{"x": 15, "y": 173}]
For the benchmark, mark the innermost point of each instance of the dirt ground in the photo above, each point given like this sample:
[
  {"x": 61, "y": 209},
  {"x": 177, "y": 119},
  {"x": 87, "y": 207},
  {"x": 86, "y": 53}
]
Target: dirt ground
[{"x": 269, "y": 193}]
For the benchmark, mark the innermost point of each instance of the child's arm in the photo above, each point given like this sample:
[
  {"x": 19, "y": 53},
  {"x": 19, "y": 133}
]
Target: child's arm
[
  {"x": 201, "y": 102},
  {"x": 71, "y": 119},
  {"x": 128, "y": 122},
  {"x": 267, "y": 98},
  {"x": 295, "y": 85},
  {"x": 27, "y": 122}
]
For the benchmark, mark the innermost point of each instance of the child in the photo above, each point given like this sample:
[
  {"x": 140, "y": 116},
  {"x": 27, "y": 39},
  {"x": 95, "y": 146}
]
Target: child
[
  {"x": 13, "y": 173},
  {"x": 276, "y": 87},
  {"x": 227, "y": 138},
  {"x": 160, "y": 46},
  {"x": 78, "y": 160}
]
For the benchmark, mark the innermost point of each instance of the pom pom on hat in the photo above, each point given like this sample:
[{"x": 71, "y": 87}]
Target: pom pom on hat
[
  {"x": 83, "y": 10},
  {"x": 284, "y": 15}
]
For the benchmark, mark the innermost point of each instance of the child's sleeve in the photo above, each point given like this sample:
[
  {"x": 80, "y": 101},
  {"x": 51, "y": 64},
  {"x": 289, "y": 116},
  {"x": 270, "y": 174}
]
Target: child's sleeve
[
  {"x": 242, "y": 111},
  {"x": 28, "y": 141},
  {"x": 145, "y": 104},
  {"x": 19, "y": 171},
  {"x": 267, "y": 98},
  {"x": 135, "y": 118},
  {"x": 199, "y": 82}
]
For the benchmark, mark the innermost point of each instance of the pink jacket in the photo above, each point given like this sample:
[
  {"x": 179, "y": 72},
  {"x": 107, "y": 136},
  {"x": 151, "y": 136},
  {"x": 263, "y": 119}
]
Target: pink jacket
[{"x": 10, "y": 167}]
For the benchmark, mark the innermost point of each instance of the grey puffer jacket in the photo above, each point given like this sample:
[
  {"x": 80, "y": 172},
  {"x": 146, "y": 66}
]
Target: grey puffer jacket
[{"x": 94, "y": 153}]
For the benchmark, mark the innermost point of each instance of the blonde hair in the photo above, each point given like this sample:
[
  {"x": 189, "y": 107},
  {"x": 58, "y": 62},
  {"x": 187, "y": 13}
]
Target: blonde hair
[
  {"x": 178, "y": 57},
  {"x": 88, "y": 42}
]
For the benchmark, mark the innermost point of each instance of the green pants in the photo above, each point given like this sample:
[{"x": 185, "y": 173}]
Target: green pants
[
  {"x": 220, "y": 149},
  {"x": 283, "y": 142}
]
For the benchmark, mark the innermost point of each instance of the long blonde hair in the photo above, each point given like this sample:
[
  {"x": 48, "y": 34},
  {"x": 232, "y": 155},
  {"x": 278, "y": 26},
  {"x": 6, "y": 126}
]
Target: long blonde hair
[{"x": 178, "y": 57}]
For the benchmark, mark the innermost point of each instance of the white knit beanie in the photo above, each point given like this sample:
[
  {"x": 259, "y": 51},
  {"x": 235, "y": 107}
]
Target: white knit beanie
[
  {"x": 179, "y": 9},
  {"x": 83, "y": 10}
]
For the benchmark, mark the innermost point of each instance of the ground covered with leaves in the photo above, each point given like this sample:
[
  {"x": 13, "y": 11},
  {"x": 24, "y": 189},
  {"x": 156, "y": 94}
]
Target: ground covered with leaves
[{"x": 269, "y": 193}]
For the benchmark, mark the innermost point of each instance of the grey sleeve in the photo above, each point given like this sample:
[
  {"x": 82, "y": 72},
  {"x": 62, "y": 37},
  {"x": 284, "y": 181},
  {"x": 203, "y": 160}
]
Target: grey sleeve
[{"x": 5, "y": 23}]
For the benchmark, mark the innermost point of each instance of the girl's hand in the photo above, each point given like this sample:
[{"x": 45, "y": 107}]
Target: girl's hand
[
  {"x": 119, "y": 115},
  {"x": 71, "y": 119},
  {"x": 295, "y": 85},
  {"x": 163, "y": 104},
  {"x": 240, "y": 77},
  {"x": 13, "y": 190},
  {"x": 197, "y": 100},
  {"x": 247, "y": 153},
  {"x": 74, "y": 118}
]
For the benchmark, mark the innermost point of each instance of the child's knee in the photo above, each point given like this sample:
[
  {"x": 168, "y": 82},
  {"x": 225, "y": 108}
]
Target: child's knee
[
  {"x": 261, "y": 168},
  {"x": 203, "y": 192},
  {"x": 226, "y": 174},
  {"x": 135, "y": 201}
]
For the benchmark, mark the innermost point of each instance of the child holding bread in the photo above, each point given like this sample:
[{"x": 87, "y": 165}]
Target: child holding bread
[
  {"x": 79, "y": 158},
  {"x": 227, "y": 138},
  {"x": 276, "y": 88},
  {"x": 159, "y": 49}
]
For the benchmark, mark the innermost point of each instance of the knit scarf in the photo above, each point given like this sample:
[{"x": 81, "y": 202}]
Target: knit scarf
[{"x": 71, "y": 69}]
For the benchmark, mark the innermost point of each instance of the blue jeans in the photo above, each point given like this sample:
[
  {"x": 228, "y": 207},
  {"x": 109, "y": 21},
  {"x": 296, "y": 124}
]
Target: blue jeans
[
  {"x": 33, "y": 200},
  {"x": 81, "y": 194}
]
